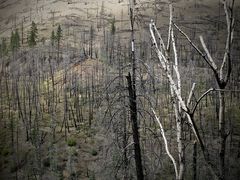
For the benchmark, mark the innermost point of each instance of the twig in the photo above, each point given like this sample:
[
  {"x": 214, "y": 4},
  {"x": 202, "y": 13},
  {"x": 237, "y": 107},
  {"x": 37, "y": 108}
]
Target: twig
[
  {"x": 199, "y": 99},
  {"x": 206, "y": 93},
  {"x": 175, "y": 67},
  {"x": 190, "y": 94},
  {"x": 194, "y": 46},
  {"x": 169, "y": 28},
  {"x": 230, "y": 29},
  {"x": 201, "y": 54}
]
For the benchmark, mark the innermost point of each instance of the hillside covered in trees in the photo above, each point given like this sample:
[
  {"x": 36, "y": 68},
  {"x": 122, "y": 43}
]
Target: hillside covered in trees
[{"x": 119, "y": 89}]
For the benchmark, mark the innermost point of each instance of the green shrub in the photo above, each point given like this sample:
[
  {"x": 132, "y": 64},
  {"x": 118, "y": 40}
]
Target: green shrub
[
  {"x": 94, "y": 152},
  {"x": 46, "y": 162},
  {"x": 92, "y": 176},
  {"x": 5, "y": 152},
  {"x": 13, "y": 168},
  {"x": 71, "y": 142},
  {"x": 75, "y": 153}
]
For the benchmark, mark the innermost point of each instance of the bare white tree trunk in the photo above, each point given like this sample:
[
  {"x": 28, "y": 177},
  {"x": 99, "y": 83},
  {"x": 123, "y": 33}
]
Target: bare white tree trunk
[
  {"x": 166, "y": 144},
  {"x": 175, "y": 86}
]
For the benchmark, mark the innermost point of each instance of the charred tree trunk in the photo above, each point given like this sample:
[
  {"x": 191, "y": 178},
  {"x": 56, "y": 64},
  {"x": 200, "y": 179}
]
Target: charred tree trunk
[
  {"x": 133, "y": 101},
  {"x": 195, "y": 161},
  {"x": 223, "y": 135},
  {"x": 133, "y": 113}
]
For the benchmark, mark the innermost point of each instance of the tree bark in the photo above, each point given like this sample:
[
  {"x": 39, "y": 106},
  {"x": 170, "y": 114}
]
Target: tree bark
[
  {"x": 133, "y": 113},
  {"x": 195, "y": 161},
  {"x": 223, "y": 135}
]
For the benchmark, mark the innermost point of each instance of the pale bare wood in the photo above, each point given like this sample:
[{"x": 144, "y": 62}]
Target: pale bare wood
[
  {"x": 164, "y": 63},
  {"x": 191, "y": 94},
  {"x": 159, "y": 36},
  {"x": 170, "y": 27},
  {"x": 230, "y": 30},
  {"x": 175, "y": 57},
  {"x": 213, "y": 64},
  {"x": 166, "y": 143}
]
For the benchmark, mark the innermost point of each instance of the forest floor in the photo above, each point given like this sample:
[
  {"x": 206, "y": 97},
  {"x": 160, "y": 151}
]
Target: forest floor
[{"x": 77, "y": 157}]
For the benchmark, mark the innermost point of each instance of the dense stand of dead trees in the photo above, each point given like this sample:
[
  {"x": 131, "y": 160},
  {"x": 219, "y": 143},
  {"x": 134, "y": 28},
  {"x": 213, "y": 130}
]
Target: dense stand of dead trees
[{"x": 137, "y": 94}]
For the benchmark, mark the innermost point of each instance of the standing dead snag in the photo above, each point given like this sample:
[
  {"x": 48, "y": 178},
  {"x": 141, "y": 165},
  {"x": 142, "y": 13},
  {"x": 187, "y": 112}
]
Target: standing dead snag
[
  {"x": 221, "y": 79},
  {"x": 180, "y": 106},
  {"x": 133, "y": 113},
  {"x": 175, "y": 88},
  {"x": 133, "y": 101}
]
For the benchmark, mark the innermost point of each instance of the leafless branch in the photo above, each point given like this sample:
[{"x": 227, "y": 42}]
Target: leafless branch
[
  {"x": 230, "y": 30},
  {"x": 190, "y": 94},
  {"x": 169, "y": 28},
  {"x": 166, "y": 143},
  {"x": 208, "y": 54},
  {"x": 201, "y": 54},
  {"x": 201, "y": 97}
]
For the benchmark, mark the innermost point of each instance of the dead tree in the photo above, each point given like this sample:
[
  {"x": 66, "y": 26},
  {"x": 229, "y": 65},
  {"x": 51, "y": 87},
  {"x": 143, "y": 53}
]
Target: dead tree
[
  {"x": 175, "y": 87},
  {"x": 133, "y": 102},
  {"x": 162, "y": 53},
  {"x": 133, "y": 113},
  {"x": 222, "y": 77}
]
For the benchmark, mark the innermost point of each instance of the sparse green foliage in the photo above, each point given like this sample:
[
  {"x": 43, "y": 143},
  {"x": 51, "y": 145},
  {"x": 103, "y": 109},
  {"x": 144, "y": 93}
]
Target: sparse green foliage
[
  {"x": 59, "y": 34},
  {"x": 94, "y": 152},
  {"x": 12, "y": 41},
  {"x": 5, "y": 152},
  {"x": 53, "y": 38},
  {"x": 46, "y": 162},
  {"x": 71, "y": 142},
  {"x": 113, "y": 27},
  {"x": 15, "y": 40},
  {"x": 92, "y": 176},
  {"x": 4, "y": 49},
  {"x": 32, "y": 38},
  {"x": 58, "y": 38}
]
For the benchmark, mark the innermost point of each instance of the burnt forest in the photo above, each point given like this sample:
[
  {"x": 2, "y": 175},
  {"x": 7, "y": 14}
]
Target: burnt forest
[{"x": 119, "y": 89}]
